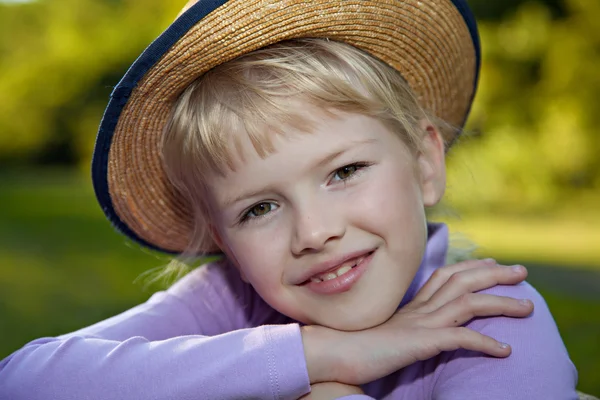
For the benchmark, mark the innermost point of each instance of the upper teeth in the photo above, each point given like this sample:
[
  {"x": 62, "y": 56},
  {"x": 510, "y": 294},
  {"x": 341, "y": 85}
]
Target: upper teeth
[{"x": 342, "y": 269}]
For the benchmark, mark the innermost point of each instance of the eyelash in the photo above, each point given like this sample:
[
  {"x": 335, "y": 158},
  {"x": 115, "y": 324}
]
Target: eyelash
[
  {"x": 359, "y": 167},
  {"x": 245, "y": 218}
]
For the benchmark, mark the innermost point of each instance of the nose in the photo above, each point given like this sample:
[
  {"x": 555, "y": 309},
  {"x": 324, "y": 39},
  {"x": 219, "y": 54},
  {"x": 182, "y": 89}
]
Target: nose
[{"x": 315, "y": 225}]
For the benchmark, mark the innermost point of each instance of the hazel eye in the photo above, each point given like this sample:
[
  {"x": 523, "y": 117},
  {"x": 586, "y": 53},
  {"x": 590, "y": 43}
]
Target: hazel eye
[
  {"x": 346, "y": 172},
  {"x": 260, "y": 209}
]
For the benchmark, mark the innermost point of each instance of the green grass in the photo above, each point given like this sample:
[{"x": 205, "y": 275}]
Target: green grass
[
  {"x": 579, "y": 324},
  {"x": 63, "y": 267}
]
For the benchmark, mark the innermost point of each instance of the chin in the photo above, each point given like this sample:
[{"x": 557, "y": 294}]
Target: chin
[{"x": 362, "y": 319}]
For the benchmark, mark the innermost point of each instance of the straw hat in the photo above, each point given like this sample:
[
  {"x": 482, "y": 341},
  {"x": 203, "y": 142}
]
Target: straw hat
[{"x": 432, "y": 43}]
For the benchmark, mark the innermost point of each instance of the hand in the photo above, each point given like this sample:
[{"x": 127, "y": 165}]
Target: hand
[
  {"x": 428, "y": 325},
  {"x": 330, "y": 391}
]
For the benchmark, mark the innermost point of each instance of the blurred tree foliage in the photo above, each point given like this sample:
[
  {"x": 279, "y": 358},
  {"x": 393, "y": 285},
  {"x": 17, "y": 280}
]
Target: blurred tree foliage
[
  {"x": 58, "y": 62},
  {"x": 534, "y": 140},
  {"x": 534, "y": 143}
]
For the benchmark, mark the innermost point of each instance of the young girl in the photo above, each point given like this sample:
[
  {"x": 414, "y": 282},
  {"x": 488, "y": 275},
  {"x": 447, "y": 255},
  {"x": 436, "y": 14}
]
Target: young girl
[{"x": 303, "y": 140}]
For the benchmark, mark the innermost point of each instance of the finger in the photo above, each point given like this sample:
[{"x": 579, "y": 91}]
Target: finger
[
  {"x": 451, "y": 339},
  {"x": 471, "y": 305},
  {"x": 474, "y": 280},
  {"x": 441, "y": 275}
]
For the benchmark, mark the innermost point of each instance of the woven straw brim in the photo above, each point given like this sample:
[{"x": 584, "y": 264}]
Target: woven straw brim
[{"x": 428, "y": 42}]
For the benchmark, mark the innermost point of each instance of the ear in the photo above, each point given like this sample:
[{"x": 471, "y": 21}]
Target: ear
[
  {"x": 218, "y": 239},
  {"x": 432, "y": 164}
]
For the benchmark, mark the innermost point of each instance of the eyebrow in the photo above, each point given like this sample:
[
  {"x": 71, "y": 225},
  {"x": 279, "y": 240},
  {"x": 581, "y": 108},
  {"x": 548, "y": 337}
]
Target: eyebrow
[
  {"x": 331, "y": 157},
  {"x": 324, "y": 161}
]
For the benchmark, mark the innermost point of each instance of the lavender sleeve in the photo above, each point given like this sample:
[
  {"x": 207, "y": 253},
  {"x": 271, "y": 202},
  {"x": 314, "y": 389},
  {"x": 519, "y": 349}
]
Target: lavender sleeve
[
  {"x": 538, "y": 368},
  {"x": 173, "y": 346}
]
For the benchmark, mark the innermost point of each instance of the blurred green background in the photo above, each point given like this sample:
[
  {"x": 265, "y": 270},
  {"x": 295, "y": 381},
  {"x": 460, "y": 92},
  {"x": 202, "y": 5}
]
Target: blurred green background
[{"x": 524, "y": 183}]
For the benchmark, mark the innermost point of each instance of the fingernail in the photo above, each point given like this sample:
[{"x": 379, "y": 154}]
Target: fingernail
[
  {"x": 518, "y": 268},
  {"x": 489, "y": 261},
  {"x": 504, "y": 345},
  {"x": 525, "y": 302}
]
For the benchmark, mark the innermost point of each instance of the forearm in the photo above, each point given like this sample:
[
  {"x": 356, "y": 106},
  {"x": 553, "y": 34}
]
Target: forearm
[{"x": 257, "y": 363}]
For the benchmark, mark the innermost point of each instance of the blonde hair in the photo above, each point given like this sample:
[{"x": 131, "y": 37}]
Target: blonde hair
[{"x": 254, "y": 94}]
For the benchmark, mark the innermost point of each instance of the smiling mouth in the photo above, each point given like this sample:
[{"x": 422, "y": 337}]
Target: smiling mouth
[{"x": 339, "y": 270}]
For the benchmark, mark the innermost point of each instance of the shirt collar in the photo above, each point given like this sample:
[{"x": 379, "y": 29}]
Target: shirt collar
[{"x": 434, "y": 258}]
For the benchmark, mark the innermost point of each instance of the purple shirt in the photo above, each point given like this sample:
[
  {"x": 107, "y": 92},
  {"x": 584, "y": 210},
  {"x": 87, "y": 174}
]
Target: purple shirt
[{"x": 210, "y": 336}]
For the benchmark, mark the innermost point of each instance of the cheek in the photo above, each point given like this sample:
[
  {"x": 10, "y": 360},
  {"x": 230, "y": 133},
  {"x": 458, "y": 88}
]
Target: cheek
[
  {"x": 391, "y": 209},
  {"x": 262, "y": 263},
  {"x": 259, "y": 257},
  {"x": 388, "y": 202}
]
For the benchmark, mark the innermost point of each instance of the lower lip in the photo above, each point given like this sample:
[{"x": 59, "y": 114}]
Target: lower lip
[{"x": 341, "y": 283}]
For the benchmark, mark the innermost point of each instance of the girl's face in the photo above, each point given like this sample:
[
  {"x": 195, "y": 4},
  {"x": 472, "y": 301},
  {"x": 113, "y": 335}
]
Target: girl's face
[{"x": 330, "y": 228}]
